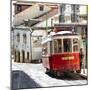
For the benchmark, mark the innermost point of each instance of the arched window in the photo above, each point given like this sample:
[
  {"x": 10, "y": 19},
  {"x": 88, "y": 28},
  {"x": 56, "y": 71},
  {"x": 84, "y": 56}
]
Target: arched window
[
  {"x": 41, "y": 7},
  {"x": 18, "y": 37},
  {"x": 24, "y": 38}
]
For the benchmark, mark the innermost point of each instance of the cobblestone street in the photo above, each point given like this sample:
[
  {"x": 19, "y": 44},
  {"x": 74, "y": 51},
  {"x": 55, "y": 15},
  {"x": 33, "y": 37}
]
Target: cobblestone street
[{"x": 33, "y": 75}]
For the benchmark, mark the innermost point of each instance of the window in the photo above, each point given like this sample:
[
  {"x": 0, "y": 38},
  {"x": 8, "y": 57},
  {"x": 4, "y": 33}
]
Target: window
[
  {"x": 75, "y": 48},
  {"x": 61, "y": 18},
  {"x": 19, "y": 8},
  {"x": 75, "y": 45},
  {"x": 24, "y": 38},
  {"x": 74, "y": 15},
  {"x": 44, "y": 50},
  {"x": 75, "y": 41},
  {"x": 62, "y": 8},
  {"x": 36, "y": 41},
  {"x": 18, "y": 56},
  {"x": 27, "y": 55},
  {"x": 67, "y": 45},
  {"x": 41, "y": 7},
  {"x": 57, "y": 46},
  {"x": 18, "y": 37}
]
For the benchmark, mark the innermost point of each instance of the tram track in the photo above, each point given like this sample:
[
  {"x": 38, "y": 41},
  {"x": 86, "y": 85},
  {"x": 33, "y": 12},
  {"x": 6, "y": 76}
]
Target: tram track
[
  {"x": 83, "y": 76},
  {"x": 69, "y": 76}
]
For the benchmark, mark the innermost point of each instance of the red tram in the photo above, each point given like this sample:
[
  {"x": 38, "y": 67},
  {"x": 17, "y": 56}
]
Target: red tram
[{"x": 61, "y": 52}]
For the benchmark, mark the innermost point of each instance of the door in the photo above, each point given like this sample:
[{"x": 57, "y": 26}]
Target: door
[
  {"x": 23, "y": 56},
  {"x": 15, "y": 56},
  {"x": 18, "y": 56}
]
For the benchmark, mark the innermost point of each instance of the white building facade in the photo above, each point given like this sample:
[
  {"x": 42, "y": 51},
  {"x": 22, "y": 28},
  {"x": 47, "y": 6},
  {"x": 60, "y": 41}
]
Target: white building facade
[
  {"x": 22, "y": 44},
  {"x": 27, "y": 44}
]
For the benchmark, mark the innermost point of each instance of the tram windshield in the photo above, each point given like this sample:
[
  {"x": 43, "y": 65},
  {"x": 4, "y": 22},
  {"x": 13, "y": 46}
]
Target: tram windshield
[
  {"x": 57, "y": 46},
  {"x": 75, "y": 45},
  {"x": 67, "y": 46},
  {"x": 61, "y": 45}
]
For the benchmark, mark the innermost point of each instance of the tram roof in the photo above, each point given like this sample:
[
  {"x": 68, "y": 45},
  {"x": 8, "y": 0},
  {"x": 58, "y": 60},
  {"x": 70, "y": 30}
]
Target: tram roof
[{"x": 63, "y": 34}]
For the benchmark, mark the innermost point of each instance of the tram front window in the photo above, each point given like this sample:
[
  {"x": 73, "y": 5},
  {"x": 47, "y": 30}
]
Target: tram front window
[
  {"x": 67, "y": 45},
  {"x": 57, "y": 46},
  {"x": 75, "y": 45}
]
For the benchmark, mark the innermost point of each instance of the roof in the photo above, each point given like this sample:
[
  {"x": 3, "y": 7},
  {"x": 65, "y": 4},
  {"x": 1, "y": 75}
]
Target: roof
[
  {"x": 72, "y": 24},
  {"x": 61, "y": 33}
]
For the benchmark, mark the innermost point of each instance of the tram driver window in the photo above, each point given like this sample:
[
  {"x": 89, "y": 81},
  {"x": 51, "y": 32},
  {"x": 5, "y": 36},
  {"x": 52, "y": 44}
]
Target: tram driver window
[
  {"x": 67, "y": 45},
  {"x": 75, "y": 44}
]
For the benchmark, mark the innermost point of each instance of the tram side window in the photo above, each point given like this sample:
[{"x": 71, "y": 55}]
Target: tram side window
[
  {"x": 57, "y": 46},
  {"x": 51, "y": 48},
  {"x": 67, "y": 45},
  {"x": 44, "y": 50},
  {"x": 75, "y": 44}
]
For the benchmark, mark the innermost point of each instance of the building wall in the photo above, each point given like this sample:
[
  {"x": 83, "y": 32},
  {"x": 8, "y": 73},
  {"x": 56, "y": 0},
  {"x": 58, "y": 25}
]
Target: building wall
[
  {"x": 22, "y": 47},
  {"x": 37, "y": 36},
  {"x": 67, "y": 13},
  {"x": 29, "y": 13},
  {"x": 32, "y": 46},
  {"x": 20, "y": 7},
  {"x": 68, "y": 10}
]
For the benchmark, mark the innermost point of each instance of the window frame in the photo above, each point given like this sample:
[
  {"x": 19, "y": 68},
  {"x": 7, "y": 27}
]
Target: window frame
[
  {"x": 70, "y": 45},
  {"x": 76, "y": 44},
  {"x": 24, "y": 38},
  {"x": 18, "y": 37}
]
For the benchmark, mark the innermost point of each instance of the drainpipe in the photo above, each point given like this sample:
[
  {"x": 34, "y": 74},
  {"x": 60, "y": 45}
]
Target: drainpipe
[{"x": 30, "y": 43}]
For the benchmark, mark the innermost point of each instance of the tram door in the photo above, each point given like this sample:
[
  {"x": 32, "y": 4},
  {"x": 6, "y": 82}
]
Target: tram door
[{"x": 23, "y": 56}]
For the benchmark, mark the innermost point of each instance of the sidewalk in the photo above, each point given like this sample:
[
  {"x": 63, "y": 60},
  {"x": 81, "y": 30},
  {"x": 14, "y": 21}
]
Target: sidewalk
[{"x": 84, "y": 72}]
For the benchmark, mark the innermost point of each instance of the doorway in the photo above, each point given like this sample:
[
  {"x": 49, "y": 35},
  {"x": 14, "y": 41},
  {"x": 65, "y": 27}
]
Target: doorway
[
  {"x": 23, "y": 56},
  {"x": 18, "y": 56}
]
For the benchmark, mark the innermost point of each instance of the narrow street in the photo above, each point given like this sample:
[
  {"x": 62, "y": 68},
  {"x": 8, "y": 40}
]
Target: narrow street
[{"x": 28, "y": 75}]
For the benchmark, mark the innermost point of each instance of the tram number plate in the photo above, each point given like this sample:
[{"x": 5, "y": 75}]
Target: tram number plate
[{"x": 68, "y": 58}]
